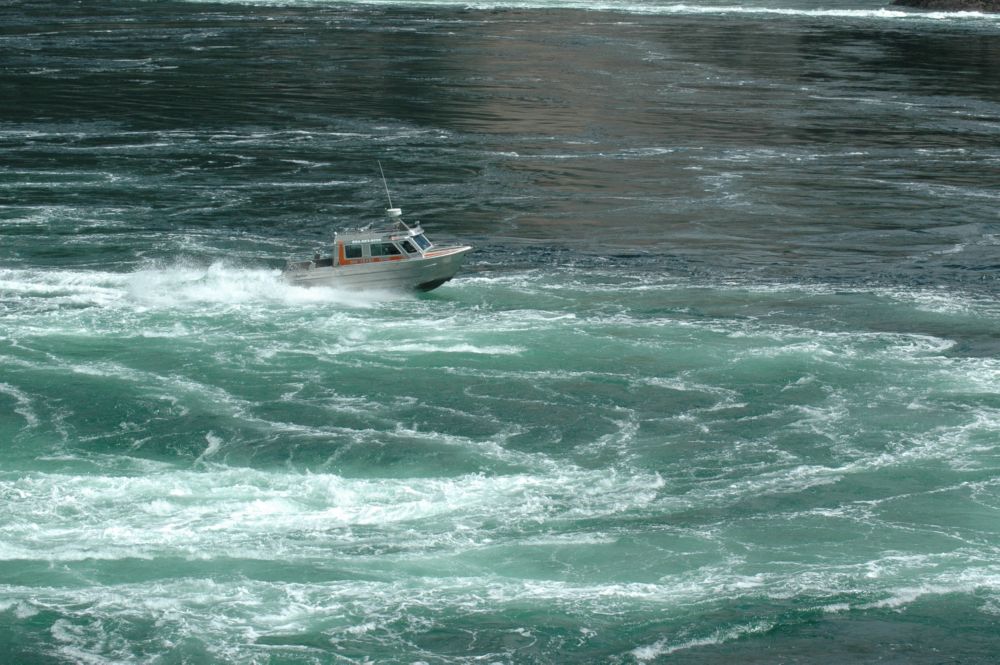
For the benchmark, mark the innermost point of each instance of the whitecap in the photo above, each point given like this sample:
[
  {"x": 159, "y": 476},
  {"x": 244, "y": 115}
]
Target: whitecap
[
  {"x": 666, "y": 647},
  {"x": 657, "y": 7},
  {"x": 24, "y": 405}
]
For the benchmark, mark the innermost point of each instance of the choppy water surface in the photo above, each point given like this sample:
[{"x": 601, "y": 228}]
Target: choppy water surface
[{"x": 720, "y": 383}]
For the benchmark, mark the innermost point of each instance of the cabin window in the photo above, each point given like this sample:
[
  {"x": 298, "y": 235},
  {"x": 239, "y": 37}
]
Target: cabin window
[
  {"x": 408, "y": 247},
  {"x": 384, "y": 249},
  {"x": 352, "y": 251},
  {"x": 422, "y": 241}
]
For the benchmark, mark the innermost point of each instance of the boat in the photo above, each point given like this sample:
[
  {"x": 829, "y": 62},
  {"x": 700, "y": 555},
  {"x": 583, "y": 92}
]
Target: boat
[{"x": 393, "y": 256}]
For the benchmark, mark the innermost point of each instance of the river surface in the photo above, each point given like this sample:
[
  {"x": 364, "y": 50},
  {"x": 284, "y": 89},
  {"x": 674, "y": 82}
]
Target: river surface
[{"x": 719, "y": 384}]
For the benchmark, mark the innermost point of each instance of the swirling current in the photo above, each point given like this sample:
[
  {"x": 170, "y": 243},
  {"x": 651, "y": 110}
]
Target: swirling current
[{"x": 720, "y": 382}]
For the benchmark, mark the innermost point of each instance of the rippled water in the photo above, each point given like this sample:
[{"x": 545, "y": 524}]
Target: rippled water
[{"x": 719, "y": 384}]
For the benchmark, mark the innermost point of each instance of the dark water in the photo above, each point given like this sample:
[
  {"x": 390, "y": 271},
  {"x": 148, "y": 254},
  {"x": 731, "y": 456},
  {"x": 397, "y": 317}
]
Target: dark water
[{"x": 720, "y": 383}]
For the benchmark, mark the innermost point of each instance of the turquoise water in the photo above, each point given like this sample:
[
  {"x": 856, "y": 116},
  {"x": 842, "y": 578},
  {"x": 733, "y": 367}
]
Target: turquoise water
[{"x": 720, "y": 383}]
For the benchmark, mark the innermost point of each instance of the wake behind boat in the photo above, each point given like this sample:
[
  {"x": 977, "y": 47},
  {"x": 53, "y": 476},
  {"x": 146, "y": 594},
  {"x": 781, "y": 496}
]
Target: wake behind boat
[{"x": 396, "y": 256}]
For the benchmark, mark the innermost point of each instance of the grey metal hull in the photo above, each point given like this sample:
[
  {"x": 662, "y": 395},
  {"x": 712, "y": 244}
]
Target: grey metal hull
[{"x": 421, "y": 274}]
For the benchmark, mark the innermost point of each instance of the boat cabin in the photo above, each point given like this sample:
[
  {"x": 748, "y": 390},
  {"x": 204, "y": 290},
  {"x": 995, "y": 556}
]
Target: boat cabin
[
  {"x": 395, "y": 242},
  {"x": 379, "y": 245}
]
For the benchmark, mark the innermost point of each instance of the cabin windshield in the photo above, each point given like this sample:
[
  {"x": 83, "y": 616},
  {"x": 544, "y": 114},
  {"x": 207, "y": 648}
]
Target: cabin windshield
[
  {"x": 422, "y": 241},
  {"x": 408, "y": 247}
]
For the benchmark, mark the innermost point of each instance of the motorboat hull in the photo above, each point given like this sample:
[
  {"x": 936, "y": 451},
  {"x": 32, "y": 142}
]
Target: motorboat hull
[{"x": 422, "y": 273}]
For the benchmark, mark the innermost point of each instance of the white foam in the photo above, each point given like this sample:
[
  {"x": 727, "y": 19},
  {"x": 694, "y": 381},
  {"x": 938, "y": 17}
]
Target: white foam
[
  {"x": 651, "y": 7},
  {"x": 66, "y": 300},
  {"x": 648, "y": 8},
  {"x": 179, "y": 286},
  {"x": 24, "y": 404},
  {"x": 62, "y": 287},
  {"x": 214, "y": 445},
  {"x": 665, "y": 647},
  {"x": 495, "y": 350},
  {"x": 368, "y": 607},
  {"x": 228, "y": 512},
  {"x": 967, "y": 581}
]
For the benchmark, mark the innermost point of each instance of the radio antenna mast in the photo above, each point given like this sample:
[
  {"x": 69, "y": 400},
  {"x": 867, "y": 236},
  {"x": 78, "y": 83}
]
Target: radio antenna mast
[
  {"x": 394, "y": 214},
  {"x": 384, "y": 183}
]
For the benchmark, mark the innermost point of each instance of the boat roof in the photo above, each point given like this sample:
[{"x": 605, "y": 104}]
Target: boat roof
[
  {"x": 378, "y": 234},
  {"x": 392, "y": 229}
]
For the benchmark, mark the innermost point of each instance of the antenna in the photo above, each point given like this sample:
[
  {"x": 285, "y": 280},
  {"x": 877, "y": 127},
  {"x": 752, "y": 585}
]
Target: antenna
[
  {"x": 384, "y": 183},
  {"x": 393, "y": 213}
]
